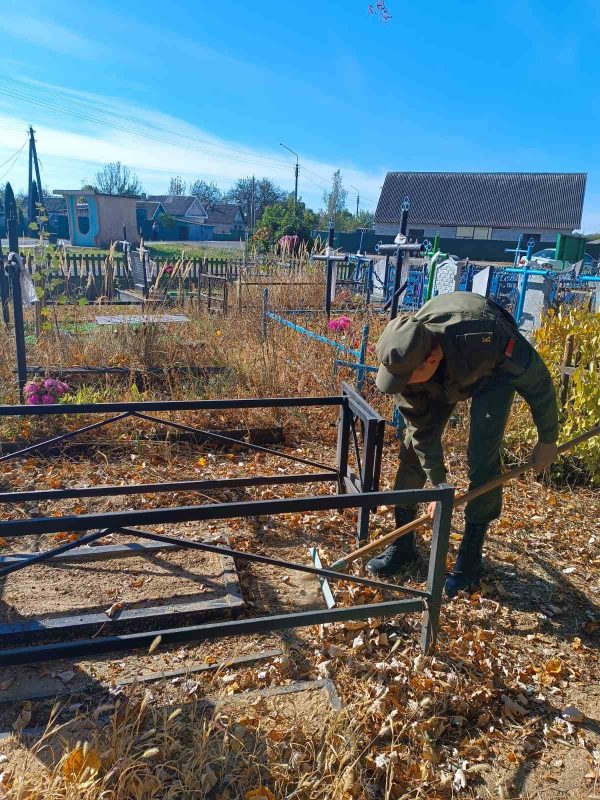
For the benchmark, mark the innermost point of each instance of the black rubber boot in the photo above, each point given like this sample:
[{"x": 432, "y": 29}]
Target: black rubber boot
[
  {"x": 400, "y": 553},
  {"x": 467, "y": 570}
]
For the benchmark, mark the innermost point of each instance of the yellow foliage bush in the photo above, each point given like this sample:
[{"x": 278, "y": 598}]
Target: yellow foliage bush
[{"x": 582, "y": 409}]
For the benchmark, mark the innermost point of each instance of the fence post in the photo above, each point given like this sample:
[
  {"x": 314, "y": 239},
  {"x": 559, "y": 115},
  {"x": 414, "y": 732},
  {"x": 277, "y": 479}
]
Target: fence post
[
  {"x": 239, "y": 291},
  {"x": 209, "y": 293},
  {"x": 15, "y": 275},
  {"x": 566, "y": 370},
  {"x": 362, "y": 354},
  {"x": 265, "y": 305},
  {"x": 225, "y": 297},
  {"x": 4, "y": 291}
]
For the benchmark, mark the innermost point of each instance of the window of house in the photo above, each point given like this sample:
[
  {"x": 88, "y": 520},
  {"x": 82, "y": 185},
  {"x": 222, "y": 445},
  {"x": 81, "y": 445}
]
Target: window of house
[
  {"x": 464, "y": 232},
  {"x": 482, "y": 233}
]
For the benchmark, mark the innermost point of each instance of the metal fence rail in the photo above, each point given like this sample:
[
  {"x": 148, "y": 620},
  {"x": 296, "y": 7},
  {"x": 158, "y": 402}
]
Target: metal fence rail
[
  {"x": 356, "y": 489},
  {"x": 428, "y": 602}
]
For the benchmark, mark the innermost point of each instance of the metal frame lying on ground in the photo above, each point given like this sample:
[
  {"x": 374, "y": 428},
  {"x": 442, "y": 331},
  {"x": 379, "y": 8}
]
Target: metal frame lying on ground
[
  {"x": 97, "y": 526},
  {"x": 354, "y": 491},
  {"x": 353, "y": 412}
]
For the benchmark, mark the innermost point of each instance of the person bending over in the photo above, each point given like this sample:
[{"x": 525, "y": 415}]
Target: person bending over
[{"x": 460, "y": 346}]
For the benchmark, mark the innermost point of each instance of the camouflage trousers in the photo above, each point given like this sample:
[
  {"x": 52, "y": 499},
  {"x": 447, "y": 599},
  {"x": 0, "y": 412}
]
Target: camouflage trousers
[{"x": 490, "y": 408}]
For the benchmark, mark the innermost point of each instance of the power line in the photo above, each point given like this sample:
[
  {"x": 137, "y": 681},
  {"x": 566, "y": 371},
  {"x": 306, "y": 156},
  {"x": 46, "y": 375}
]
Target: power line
[
  {"x": 119, "y": 115},
  {"x": 14, "y": 159},
  {"x": 156, "y": 138},
  {"x": 86, "y": 115},
  {"x": 14, "y": 154},
  {"x": 320, "y": 177}
]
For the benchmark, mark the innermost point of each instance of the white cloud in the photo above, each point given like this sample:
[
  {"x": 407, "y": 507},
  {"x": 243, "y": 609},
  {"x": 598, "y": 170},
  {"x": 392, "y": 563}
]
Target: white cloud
[
  {"x": 47, "y": 34},
  {"x": 74, "y": 148}
]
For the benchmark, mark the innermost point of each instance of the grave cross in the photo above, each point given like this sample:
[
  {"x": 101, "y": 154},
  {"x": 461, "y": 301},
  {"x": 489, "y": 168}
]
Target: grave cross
[
  {"x": 331, "y": 260},
  {"x": 518, "y": 250},
  {"x": 525, "y": 272},
  {"x": 399, "y": 248}
]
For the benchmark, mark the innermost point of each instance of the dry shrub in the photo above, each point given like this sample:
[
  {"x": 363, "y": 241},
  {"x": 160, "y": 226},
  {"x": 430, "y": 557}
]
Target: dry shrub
[{"x": 582, "y": 409}]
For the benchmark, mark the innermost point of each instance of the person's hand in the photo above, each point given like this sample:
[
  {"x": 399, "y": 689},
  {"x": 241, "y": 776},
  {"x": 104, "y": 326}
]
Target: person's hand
[
  {"x": 431, "y": 509},
  {"x": 544, "y": 453}
]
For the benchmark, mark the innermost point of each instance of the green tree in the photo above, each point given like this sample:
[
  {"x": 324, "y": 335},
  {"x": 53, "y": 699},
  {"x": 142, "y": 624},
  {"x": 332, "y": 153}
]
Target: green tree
[
  {"x": 334, "y": 200},
  {"x": 177, "y": 186},
  {"x": 264, "y": 193},
  {"x": 167, "y": 221},
  {"x": 116, "y": 178},
  {"x": 364, "y": 219},
  {"x": 208, "y": 193},
  {"x": 287, "y": 219}
]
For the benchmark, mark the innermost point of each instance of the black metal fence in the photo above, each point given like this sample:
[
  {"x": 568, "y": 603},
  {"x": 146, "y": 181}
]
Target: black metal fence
[{"x": 356, "y": 489}]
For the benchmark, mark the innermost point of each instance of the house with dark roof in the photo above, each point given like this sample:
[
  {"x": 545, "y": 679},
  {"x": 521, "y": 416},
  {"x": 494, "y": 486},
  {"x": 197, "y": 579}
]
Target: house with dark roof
[
  {"x": 57, "y": 223},
  {"x": 482, "y": 205},
  {"x": 182, "y": 218},
  {"x": 226, "y": 218},
  {"x": 148, "y": 214}
]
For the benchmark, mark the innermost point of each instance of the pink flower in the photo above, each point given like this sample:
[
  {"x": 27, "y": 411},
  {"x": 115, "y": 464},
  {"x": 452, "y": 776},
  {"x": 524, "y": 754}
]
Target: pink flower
[
  {"x": 50, "y": 382},
  {"x": 340, "y": 324},
  {"x": 60, "y": 389},
  {"x": 33, "y": 400},
  {"x": 47, "y": 399},
  {"x": 30, "y": 387}
]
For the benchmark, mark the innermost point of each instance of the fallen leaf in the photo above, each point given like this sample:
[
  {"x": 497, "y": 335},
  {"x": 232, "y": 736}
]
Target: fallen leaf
[
  {"x": 63, "y": 536},
  {"x": 154, "y": 644},
  {"x": 137, "y": 583},
  {"x": 572, "y": 714},
  {"x": 66, "y": 676},
  {"x": 554, "y": 666},
  {"x": 114, "y": 609},
  {"x": 260, "y": 793},
  {"x": 22, "y": 721},
  {"x": 459, "y": 781},
  {"x": 512, "y": 708},
  {"x": 3, "y": 541},
  {"x": 590, "y": 627},
  {"x": 81, "y": 763},
  {"x": 151, "y": 752}
]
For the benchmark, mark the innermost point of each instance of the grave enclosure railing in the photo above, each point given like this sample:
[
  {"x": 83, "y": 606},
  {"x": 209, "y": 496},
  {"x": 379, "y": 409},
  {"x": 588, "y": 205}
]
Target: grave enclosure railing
[{"x": 356, "y": 490}]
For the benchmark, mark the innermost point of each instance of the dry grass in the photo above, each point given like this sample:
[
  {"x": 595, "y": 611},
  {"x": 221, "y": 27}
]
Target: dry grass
[
  {"x": 134, "y": 749},
  {"x": 411, "y": 727}
]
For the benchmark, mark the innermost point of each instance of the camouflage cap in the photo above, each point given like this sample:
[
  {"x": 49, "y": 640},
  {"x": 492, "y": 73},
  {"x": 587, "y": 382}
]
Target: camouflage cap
[{"x": 402, "y": 347}]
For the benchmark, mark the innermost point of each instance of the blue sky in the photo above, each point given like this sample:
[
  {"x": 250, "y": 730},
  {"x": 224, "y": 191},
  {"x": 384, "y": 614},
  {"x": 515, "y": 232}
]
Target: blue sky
[{"x": 444, "y": 85}]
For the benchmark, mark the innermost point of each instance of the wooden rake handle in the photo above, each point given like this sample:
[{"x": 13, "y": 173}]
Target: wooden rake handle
[{"x": 459, "y": 500}]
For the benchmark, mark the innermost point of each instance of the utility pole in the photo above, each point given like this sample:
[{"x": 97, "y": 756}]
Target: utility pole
[
  {"x": 357, "y": 198},
  {"x": 30, "y": 208},
  {"x": 33, "y": 163},
  {"x": 253, "y": 207},
  {"x": 296, "y": 168}
]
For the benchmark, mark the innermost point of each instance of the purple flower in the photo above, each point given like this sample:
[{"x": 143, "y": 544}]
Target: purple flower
[
  {"x": 33, "y": 400},
  {"x": 47, "y": 399},
  {"x": 49, "y": 383},
  {"x": 30, "y": 387}
]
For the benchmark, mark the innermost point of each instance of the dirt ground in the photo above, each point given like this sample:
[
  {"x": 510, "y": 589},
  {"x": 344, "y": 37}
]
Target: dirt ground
[{"x": 508, "y": 707}]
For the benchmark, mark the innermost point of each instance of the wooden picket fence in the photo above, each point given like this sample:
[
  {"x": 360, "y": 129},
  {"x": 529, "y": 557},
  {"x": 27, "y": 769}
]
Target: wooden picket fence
[
  {"x": 81, "y": 265},
  {"x": 95, "y": 275}
]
